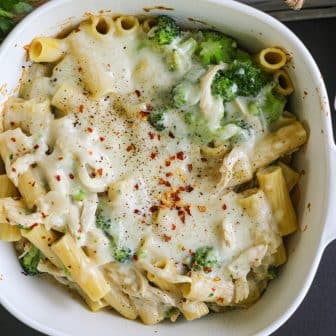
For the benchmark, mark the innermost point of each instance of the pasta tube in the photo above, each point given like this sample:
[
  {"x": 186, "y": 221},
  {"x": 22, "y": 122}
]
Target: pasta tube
[
  {"x": 7, "y": 188},
  {"x": 43, "y": 239},
  {"x": 285, "y": 86},
  {"x": 121, "y": 303},
  {"x": 271, "y": 59},
  {"x": 290, "y": 175},
  {"x": 87, "y": 276},
  {"x": 272, "y": 182},
  {"x": 30, "y": 187},
  {"x": 285, "y": 140},
  {"x": 46, "y": 49},
  {"x": 127, "y": 24}
]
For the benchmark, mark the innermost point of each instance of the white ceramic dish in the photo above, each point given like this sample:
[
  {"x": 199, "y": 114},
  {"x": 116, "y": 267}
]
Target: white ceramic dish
[{"x": 51, "y": 310}]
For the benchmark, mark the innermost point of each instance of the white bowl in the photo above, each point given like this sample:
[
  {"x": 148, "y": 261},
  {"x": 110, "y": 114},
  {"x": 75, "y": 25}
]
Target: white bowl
[{"x": 52, "y": 310}]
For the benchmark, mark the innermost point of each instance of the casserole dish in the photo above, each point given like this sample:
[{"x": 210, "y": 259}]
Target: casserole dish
[{"x": 56, "y": 314}]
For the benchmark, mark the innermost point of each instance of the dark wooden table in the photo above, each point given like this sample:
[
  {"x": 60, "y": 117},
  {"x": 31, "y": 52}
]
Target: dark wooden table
[{"x": 316, "y": 315}]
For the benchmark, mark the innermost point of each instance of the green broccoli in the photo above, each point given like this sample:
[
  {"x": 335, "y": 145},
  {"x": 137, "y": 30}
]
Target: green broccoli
[
  {"x": 269, "y": 104},
  {"x": 165, "y": 31},
  {"x": 79, "y": 197},
  {"x": 224, "y": 87},
  {"x": 30, "y": 261},
  {"x": 241, "y": 79},
  {"x": 249, "y": 78},
  {"x": 120, "y": 254},
  {"x": 204, "y": 257},
  {"x": 156, "y": 119},
  {"x": 216, "y": 47},
  {"x": 242, "y": 56},
  {"x": 180, "y": 56},
  {"x": 273, "y": 105},
  {"x": 102, "y": 221},
  {"x": 272, "y": 272},
  {"x": 185, "y": 94}
]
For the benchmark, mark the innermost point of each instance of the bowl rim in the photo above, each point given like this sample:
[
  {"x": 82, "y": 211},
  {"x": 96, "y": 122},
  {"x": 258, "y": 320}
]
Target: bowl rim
[{"x": 325, "y": 108}]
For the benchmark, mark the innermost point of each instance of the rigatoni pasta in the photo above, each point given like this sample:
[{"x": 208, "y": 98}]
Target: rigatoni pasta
[{"x": 144, "y": 167}]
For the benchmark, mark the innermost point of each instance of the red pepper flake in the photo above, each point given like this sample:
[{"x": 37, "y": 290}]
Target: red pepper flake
[
  {"x": 89, "y": 129},
  {"x": 181, "y": 188},
  {"x": 187, "y": 209},
  {"x": 72, "y": 176},
  {"x": 100, "y": 171},
  {"x": 181, "y": 214},
  {"x": 224, "y": 207},
  {"x": 173, "y": 227},
  {"x": 81, "y": 108},
  {"x": 189, "y": 188},
  {"x": 190, "y": 167},
  {"x": 101, "y": 139},
  {"x": 36, "y": 147},
  {"x": 167, "y": 163},
  {"x": 135, "y": 257},
  {"x": 213, "y": 289},
  {"x": 58, "y": 177},
  {"x": 169, "y": 174},
  {"x": 137, "y": 92},
  {"x": 166, "y": 237},
  {"x": 164, "y": 182},
  {"x": 130, "y": 147},
  {"x": 60, "y": 158},
  {"x": 153, "y": 156},
  {"x": 201, "y": 208},
  {"x": 13, "y": 139},
  {"x": 137, "y": 211},
  {"x": 43, "y": 215},
  {"x": 207, "y": 269},
  {"x": 171, "y": 135},
  {"x": 143, "y": 115},
  {"x": 220, "y": 300},
  {"x": 149, "y": 107},
  {"x": 151, "y": 135},
  {"x": 153, "y": 208},
  {"x": 13, "y": 170},
  {"x": 136, "y": 186},
  {"x": 77, "y": 30},
  {"x": 180, "y": 155},
  {"x": 34, "y": 225},
  {"x": 159, "y": 136}
]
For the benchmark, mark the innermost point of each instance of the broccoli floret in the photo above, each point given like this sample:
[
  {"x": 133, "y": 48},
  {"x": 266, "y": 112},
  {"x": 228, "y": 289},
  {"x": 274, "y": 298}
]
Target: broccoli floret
[
  {"x": 120, "y": 254},
  {"x": 180, "y": 56},
  {"x": 165, "y": 31},
  {"x": 185, "y": 94},
  {"x": 242, "y": 56},
  {"x": 273, "y": 106},
  {"x": 224, "y": 87},
  {"x": 215, "y": 47},
  {"x": 269, "y": 104},
  {"x": 102, "y": 221},
  {"x": 241, "y": 79},
  {"x": 30, "y": 261},
  {"x": 156, "y": 119},
  {"x": 204, "y": 257},
  {"x": 272, "y": 272},
  {"x": 79, "y": 197},
  {"x": 249, "y": 78}
]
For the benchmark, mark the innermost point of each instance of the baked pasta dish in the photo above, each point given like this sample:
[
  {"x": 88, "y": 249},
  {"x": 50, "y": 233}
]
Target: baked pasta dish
[{"x": 148, "y": 167}]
